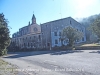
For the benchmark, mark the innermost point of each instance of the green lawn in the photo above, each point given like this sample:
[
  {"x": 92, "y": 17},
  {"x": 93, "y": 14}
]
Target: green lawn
[
  {"x": 92, "y": 44},
  {"x": 85, "y": 46}
]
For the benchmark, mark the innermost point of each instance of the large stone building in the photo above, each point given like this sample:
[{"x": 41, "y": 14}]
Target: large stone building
[
  {"x": 46, "y": 35},
  {"x": 28, "y": 36},
  {"x": 51, "y": 31}
]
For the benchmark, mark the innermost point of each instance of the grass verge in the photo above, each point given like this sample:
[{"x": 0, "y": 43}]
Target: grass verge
[
  {"x": 7, "y": 69},
  {"x": 87, "y": 46}
]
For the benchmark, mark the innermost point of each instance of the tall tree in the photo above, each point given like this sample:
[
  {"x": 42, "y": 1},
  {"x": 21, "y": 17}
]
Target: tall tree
[
  {"x": 95, "y": 27},
  {"x": 72, "y": 35},
  {"x": 4, "y": 34}
]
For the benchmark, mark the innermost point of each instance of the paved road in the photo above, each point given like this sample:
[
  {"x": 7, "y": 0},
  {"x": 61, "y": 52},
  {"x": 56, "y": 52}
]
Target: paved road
[{"x": 85, "y": 62}]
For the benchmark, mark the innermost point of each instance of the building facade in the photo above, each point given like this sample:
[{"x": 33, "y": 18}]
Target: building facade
[
  {"x": 51, "y": 31},
  {"x": 46, "y": 35},
  {"x": 28, "y": 36}
]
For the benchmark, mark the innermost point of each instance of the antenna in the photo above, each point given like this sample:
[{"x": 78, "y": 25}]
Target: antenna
[{"x": 60, "y": 11}]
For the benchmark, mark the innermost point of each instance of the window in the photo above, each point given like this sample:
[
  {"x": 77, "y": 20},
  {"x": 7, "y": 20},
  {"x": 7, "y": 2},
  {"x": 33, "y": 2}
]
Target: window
[
  {"x": 31, "y": 44},
  {"x": 34, "y": 37},
  {"x": 83, "y": 39},
  {"x": 56, "y": 41},
  {"x": 48, "y": 44},
  {"x": 26, "y": 37},
  {"x": 30, "y": 37},
  {"x": 28, "y": 45},
  {"x": 20, "y": 39},
  {"x": 55, "y": 33},
  {"x": 42, "y": 33},
  {"x": 24, "y": 44},
  {"x": 46, "y": 26},
  {"x": 70, "y": 22},
  {"x": 39, "y": 37}
]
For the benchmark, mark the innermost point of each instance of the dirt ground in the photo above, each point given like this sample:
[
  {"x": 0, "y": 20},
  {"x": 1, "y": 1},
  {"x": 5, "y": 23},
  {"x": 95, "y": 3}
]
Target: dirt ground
[{"x": 8, "y": 68}]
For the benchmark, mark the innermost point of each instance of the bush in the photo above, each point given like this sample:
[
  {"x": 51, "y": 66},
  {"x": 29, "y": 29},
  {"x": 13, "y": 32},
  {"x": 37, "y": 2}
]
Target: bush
[{"x": 3, "y": 52}]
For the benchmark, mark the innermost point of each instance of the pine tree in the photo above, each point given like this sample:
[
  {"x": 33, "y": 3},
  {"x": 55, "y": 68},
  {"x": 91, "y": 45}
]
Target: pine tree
[{"x": 4, "y": 35}]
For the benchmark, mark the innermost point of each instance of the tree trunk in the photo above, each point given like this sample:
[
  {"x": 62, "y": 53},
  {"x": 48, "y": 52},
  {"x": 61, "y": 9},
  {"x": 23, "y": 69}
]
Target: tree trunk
[{"x": 71, "y": 42}]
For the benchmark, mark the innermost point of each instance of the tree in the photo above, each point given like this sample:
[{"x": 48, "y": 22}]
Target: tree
[
  {"x": 62, "y": 38},
  {"x": 87, "y": 22},
  {"x": 72, "y": 35},
  {"x": 4, "y": 35},
  {"x": 95, "y": 27}
]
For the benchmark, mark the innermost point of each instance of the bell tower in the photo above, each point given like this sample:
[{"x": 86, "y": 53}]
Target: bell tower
[{"x": 33, "y": 19}]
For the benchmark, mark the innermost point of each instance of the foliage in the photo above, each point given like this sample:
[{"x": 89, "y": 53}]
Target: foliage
[
  {"x": 95, "y": 27},
  {"x": 4, "y": 35},
  {"x": 62, "y": 38},
  {"x": 88, "y": 20},
  {"x": 72, "y": 35},
  {"x": 87, "y": 23}
]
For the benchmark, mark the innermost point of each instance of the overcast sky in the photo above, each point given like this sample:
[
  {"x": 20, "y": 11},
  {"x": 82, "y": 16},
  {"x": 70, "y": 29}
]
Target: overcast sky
[{"x": 19, "y": 12}]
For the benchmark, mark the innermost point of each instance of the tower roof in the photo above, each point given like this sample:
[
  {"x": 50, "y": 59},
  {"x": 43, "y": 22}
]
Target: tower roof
[{"x": 33, "y": 17}]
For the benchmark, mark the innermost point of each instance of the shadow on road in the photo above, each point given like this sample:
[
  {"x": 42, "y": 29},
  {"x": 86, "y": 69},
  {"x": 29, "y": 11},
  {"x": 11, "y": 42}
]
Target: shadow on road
[
  {"x": 65, "y": 52},
  {"x": 95, "y": 52},
  {"x": 25, "y": 54}
]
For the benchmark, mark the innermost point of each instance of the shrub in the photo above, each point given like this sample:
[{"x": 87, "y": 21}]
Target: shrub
[{"x": 3, "y": 52}]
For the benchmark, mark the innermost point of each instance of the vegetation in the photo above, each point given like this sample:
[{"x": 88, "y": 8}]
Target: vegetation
[
  {"x": 87, "y": 23},
  {"x": 72, "y": 35},
  {"x": 4, "y": 35},
  {"x": 92, "y": 44},
  {"x": 7, "y": 69},
  {"x": 95, "y": 27}
]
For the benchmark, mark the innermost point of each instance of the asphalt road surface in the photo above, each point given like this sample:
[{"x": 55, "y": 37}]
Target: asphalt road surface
[{"x": 78, "y": 62}]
